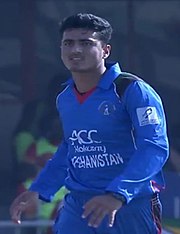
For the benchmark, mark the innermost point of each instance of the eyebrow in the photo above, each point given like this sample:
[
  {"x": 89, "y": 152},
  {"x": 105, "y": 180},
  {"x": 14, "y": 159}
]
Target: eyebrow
[{"x": 90, "y": 40}]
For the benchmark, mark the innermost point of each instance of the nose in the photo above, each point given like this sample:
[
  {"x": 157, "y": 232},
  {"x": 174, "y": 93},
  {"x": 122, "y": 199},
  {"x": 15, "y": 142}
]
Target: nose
[{"x": 76, "y": 48}]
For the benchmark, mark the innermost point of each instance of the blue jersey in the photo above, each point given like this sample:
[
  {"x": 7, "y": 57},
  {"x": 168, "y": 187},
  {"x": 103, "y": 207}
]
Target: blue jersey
[{"x": 110, "y": 143}]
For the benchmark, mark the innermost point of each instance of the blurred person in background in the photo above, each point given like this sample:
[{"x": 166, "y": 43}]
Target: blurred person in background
[
  {"x": 114, "y": 142},
  {"x": 27, "y": 130},
  {"x": 35, "y": 140},
  {"x": 33, "y": 158},
  {"x": 40, "y": 151}
]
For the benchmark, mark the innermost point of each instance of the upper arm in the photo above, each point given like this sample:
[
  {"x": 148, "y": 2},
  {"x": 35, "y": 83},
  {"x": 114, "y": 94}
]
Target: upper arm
[{"x": 146, "y": 111}]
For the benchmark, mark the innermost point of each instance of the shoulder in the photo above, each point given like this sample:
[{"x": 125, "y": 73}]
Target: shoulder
[
  {"x": 124, "y": 80},
  {"x": 131, "y": 86}
]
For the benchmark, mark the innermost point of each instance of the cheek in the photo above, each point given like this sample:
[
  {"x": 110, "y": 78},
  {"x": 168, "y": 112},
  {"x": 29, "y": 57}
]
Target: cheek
[
  {"x": 96, "y": 54},
  {"x": 64, "y": 55}
]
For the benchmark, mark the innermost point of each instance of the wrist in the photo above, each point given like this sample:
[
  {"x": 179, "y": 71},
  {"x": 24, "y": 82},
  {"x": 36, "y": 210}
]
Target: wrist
[{"x": 119, "y": 197}]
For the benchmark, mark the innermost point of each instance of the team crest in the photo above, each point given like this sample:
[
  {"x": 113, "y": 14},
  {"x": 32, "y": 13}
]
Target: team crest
[{"x": 107, "y": 108}]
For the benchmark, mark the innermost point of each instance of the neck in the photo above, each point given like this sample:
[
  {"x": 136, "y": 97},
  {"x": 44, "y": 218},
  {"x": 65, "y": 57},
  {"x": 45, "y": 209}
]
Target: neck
[{"x": 85, "y": 81}]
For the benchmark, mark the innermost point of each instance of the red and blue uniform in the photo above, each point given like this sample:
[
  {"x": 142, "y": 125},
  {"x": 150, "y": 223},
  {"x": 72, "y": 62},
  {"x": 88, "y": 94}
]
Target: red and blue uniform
[{"x": 111, "y": 143}]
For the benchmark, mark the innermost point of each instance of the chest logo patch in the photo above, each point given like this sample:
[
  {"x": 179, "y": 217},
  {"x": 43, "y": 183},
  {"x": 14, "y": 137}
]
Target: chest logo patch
[
  {"x": 84, "y": 137},
  {"x": 107, "y": 108}
]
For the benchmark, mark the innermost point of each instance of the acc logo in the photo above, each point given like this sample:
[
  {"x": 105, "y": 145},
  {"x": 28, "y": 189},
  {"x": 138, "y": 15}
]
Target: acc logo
[
  {"x": 84, "y": 137},
  {"x": 106, "y": 108}
]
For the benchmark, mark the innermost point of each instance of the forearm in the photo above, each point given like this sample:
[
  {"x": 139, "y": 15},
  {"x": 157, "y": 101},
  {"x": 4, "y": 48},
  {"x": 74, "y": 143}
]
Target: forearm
[
  {"x": 52, "y": 176},
  {"x": 136, "y": 179}
]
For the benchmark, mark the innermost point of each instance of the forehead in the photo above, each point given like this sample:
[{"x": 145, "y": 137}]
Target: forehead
[{"x": 78, "y": 34}]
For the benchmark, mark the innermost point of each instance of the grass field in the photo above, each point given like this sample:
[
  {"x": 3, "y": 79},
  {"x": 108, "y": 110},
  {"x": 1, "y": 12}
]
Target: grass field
[{"x": 172, "y": 225}]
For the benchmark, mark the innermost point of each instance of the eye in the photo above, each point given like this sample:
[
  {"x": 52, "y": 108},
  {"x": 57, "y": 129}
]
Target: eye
[
  {"x": 86, "y": 43},
  {"x": 67, "y": 43}
]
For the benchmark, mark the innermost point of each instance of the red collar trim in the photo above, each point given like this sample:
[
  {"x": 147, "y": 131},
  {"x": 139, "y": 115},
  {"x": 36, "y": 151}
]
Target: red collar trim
[{"x": 83, "y": 96}]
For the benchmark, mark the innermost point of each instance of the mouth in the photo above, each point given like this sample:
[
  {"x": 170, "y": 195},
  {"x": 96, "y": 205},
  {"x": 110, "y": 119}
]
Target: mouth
[{"x": 75, "y": 58}]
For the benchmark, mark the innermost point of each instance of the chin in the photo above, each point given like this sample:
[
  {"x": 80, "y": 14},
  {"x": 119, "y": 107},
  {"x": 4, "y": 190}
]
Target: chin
[{"x": 75, "y": 69}]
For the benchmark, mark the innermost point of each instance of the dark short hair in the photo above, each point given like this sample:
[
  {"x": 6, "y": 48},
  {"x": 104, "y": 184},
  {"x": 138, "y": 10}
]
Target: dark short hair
[{"x": 88, "y": 21}]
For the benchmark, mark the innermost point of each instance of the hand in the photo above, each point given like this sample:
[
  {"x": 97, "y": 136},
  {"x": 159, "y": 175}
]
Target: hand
[
  {"x": 21, "y": 203},
  {"x": 100, "y": 206}
]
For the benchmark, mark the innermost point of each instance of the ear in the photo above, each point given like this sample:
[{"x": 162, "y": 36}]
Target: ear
[{"x": 106, "y": 51}]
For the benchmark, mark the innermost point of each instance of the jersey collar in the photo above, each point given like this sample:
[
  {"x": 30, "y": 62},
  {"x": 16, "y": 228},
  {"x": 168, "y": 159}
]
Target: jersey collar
[{"x": 112, "y": 72}]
